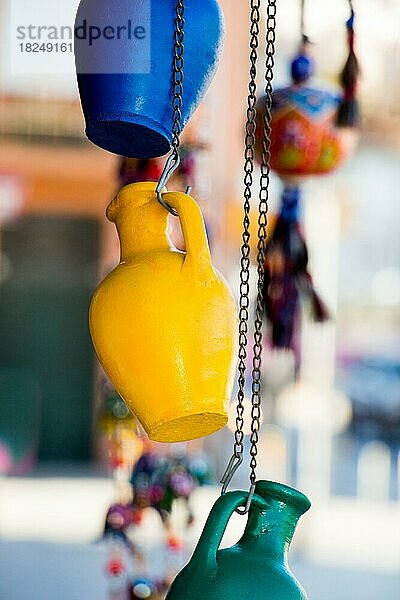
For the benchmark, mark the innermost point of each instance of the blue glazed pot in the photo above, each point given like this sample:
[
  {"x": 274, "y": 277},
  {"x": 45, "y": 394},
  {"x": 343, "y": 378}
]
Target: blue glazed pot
[{"x": 126, "y": 85}]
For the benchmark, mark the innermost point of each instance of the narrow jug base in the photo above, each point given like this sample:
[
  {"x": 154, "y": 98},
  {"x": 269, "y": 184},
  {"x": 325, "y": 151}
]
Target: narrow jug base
[
  {"x": 128, "y": 136},
  {"x": 188, "y": 427}
]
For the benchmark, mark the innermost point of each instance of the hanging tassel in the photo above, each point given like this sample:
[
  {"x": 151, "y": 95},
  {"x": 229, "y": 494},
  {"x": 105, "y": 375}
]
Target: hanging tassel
[
  {"x": 349, "y": 112},
  {"x": 287, "y": 280}
]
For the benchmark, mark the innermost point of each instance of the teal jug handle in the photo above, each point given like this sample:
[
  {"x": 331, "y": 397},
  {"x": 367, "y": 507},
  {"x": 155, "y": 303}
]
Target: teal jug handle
[
  {"x": 198, "y": 257},
  {"x": 205, "y": 554}
]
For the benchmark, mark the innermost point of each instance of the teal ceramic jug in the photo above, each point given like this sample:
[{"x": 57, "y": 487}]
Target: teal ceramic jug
[{"x": 256, "y": 568}]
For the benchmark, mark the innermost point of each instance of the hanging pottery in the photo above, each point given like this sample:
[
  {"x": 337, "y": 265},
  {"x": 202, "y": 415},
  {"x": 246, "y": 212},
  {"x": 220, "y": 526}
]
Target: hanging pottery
[
  {"x": 312, "y": 133},
  {"x": 312, "y": 130},
  {"x": 163, "y": 322},
  {"x": 124, "y": 55},
  {"x": 257, "y": 566},
  {"x": 303, "y": 140}
]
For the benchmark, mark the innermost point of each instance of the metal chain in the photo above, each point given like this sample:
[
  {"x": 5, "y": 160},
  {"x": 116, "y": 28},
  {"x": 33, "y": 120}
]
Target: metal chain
[
  {"x": 173, "y": 160},
  {"x": 303, "y": 34},
  {"x": 244, "y": 290},
  {"x": 262, "y": 238},
  {"x": 302, "y": 19},
  {"x": 179, "y": 37}
]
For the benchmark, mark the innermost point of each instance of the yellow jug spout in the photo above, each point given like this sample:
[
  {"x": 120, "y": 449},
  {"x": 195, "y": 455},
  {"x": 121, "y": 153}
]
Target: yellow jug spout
[{"x": 164, "y": 322}]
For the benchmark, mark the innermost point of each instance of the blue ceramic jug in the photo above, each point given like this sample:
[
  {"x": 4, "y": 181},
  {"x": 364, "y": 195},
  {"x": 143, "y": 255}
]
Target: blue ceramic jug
[{"x": 124, "y": 62}]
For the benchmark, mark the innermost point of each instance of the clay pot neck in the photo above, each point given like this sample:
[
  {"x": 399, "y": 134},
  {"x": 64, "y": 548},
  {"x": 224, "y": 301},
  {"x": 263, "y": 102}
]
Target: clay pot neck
[
  {"x": 272, "y": 529},
  {"x": 140, "y": 220}
]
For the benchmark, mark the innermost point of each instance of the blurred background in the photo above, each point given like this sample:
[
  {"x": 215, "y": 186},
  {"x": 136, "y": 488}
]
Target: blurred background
[{"x": 68, "y": 447}]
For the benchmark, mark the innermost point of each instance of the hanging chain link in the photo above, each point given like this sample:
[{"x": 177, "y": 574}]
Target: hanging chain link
[
  {"x": 173, "y": 160},
  {"x": 244, "y": 290},
  {"x": 262, "y": 237},
  {"x": 179, "y": 38},
  {"x": 303, "y": 34}
]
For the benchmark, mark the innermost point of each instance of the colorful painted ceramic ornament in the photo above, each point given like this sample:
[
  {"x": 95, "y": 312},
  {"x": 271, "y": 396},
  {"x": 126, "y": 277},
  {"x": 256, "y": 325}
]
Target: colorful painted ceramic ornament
[
  {"x": 163, "y": 322},
  {"x": 257, "y": 566},
  {"x": 312, "y": 130},
  {"x": 304, "y": 140},
  {"x": 159, "y": 480},
  {"x": 287, "y": 281},
  {"x": 125, "y": 82},
  {"x": 312, "y": 133}
]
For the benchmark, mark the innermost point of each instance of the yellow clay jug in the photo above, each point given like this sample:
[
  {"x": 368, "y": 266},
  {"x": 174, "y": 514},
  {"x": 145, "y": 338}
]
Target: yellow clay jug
[{"x": 163, "y": 322}]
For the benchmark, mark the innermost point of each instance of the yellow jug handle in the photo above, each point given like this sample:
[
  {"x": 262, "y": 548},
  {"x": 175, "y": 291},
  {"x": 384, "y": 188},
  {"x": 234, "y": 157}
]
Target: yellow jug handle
[{"x": 198, "y": 255}]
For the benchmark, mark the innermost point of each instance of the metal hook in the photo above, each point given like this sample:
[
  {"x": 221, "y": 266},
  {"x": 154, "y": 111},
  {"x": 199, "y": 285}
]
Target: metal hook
[
  {"x": 233, "y": 465},
  {"x": 172, "y": 163},
  {"x": 248, "y": 502}
]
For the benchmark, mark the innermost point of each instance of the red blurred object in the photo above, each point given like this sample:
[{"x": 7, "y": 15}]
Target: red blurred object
[
  {"x": 134, "y": 170},
  {"x": 137, "y": 516},
  {"x": 115, "y": 567},
  {"x": 174, "y": 543}
]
